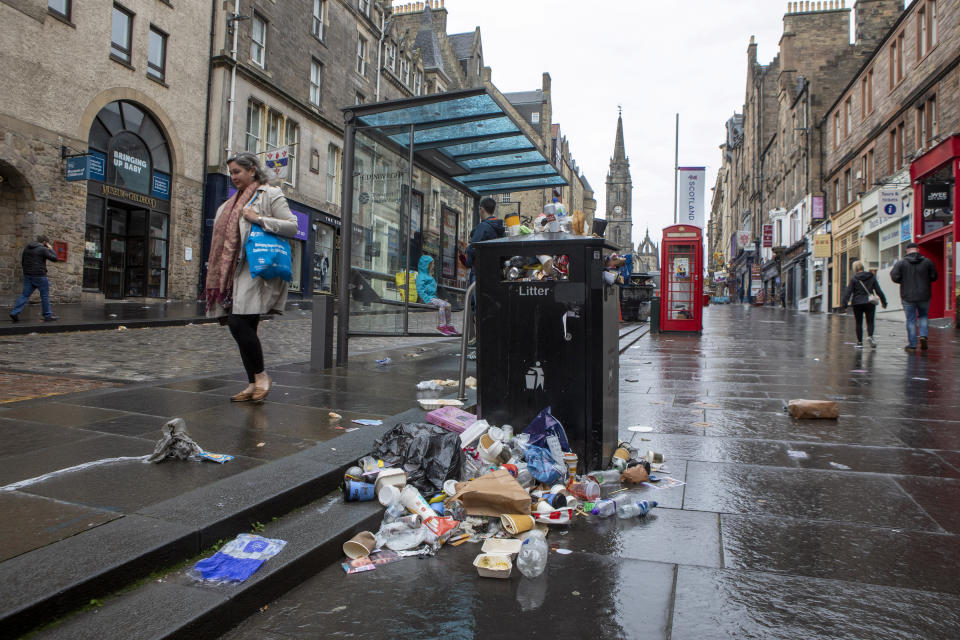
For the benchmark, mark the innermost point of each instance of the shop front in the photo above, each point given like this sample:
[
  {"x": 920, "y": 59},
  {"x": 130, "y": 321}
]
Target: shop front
[
  {"x": 886, "y": 231},
  {"x": 934, "y": 229},
  {"x": 127, "y": 228},
  {"x": 770, "y": 274},
  {"x": 795, "y": 275},
  {"x": 846, "y": 225}
]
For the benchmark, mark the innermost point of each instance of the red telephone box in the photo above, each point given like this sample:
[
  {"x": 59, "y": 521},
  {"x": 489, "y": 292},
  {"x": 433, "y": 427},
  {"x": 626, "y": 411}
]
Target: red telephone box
[{"x": 681, "y": 279}]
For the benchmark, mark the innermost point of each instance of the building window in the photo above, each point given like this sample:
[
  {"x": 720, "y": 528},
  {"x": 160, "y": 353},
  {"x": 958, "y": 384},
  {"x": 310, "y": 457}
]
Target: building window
[
  {"x": 405, "y": 71},
  {"x": 157, "y": 54},
  {"x": 390, "y": 55},
  {"x": 364, "y": 6},
  {"x": 866, "y": 94},
  {"x": 274, "y": 128},
  {"x": 316, "y": 82},
  {"x": 361, "y": 55},
  {"x": 504, "y": 197},
  {"x": 922, "y": 33},
  {"x": 932, "y": 29},
  {"x": 932, "y": 118},
  {"x": 836, "y": 130},
  {"x": 319, "y": 18},
  {"x": 848, "y": 186},
  {"x": 333, "y": 174},
  {"x": 417, "y": 83},
  {"x": 871, "y": 169},
  {"x": 836, "y": 195},
  {"x": 254, "y": 127},
  {"x": 899, "y": 145},
  {"x": 359, "y": 98},
  {"x": 921, "y": 120},
  {"x": 292, "y": 139},
  {"x": 258, "y": 41},
  {"x": 899, "y": 44},
  {"x": 121, "y": 33},
  {"x": 847, "y": 108},
  {"x": 314, "y": 161},
  {"x": 535, "y": 117},
  {"x": 60, "y": 8}
]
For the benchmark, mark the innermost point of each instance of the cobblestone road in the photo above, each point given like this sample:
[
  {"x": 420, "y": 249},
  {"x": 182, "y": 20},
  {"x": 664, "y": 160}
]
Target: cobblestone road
[{"x": 61, "y": 362}]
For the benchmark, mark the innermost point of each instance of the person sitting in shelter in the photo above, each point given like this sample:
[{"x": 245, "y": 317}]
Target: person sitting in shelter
[{"x": 427, "y": 291}]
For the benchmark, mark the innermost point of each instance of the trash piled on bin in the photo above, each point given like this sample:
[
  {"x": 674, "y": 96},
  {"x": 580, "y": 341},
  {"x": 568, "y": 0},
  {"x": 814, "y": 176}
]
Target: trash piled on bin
[{"x": 458, "y": 479}]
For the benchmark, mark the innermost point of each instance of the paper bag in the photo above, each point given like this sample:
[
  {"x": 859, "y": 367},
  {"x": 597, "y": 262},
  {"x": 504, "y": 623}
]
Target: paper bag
[
  {"x": 634, "y": 475},
  {"x": 492, "y": 494},
  {"x": 823, "y": 409}
]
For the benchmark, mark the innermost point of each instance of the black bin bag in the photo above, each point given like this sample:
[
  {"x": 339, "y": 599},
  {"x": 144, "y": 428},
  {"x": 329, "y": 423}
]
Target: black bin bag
[{"x": 430, "y": 455}]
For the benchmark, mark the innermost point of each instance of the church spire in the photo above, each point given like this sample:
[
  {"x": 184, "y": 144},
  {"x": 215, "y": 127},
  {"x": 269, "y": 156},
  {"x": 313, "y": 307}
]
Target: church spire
[{"x": 619, "y": 154}]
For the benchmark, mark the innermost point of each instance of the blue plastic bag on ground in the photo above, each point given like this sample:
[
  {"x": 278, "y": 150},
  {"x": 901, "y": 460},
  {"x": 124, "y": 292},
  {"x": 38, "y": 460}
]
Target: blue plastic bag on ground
[
  {"x": 268, "y": 255},
  {"x": 541, "y": 465},
  {"x": 543, "y": 426},
  {"x": 238, "y": 559}
]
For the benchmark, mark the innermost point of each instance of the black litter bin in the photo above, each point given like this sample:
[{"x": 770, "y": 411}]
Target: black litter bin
[{"x": 550, "y": 342}]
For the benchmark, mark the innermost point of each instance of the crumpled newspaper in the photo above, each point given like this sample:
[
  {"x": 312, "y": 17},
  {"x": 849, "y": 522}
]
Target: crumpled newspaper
[{"x": 175, "y": 443}]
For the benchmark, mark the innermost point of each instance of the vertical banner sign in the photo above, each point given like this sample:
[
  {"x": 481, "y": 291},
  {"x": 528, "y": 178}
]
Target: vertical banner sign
[
  {"x": 277, "y": 161},
  {"x": 691, "y": 195},
  {"x": 768, "y": 236},
  {"x": 817, "y": 213},
  {"x": 890, "y": 203},
  {"x": 743, "y": 238}
]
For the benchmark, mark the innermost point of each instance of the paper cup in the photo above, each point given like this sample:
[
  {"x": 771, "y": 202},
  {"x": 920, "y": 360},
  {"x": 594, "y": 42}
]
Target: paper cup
[
  {"x": 414, "y": 502},
  {"x": 388, "y": 494},
  {"x": 570, "y": 459},
  {"x": 490, "y": 449},
  {"x": 450, "y": 487},
  {"x": 395, "y": 477},
  {"x": 354, "y": 491},
  {"x": 514, "y": 523},
  {"x": 360, "y": 545}
]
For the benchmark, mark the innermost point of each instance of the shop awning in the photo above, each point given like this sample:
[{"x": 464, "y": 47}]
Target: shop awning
[{"x": 465, "y": 136}]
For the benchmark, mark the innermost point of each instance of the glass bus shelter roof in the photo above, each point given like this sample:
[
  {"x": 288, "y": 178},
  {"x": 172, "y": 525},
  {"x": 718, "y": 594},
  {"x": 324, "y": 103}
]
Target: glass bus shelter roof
[{"x": 464, "y": 136}]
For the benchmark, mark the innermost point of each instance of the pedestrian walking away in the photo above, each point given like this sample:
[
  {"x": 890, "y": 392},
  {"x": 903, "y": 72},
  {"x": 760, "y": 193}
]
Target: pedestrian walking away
[
  {"x": 427, "y": 291},
  {"x": 915, "y": 273},
  {"x": 232, "y": 295},
  {"x": 861, "y": 289},
  {"x": 34, "y": 263}
]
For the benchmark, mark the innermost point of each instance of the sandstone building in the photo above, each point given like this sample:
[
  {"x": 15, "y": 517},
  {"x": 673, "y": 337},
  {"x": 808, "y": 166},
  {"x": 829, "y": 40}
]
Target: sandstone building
[{"x": 118, "y": 86}]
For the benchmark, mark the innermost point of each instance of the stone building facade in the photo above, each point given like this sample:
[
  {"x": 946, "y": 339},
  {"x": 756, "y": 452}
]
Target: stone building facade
[
  {"x": 771, "y": 162},
  {"x": 902, "y": 102},
  {"x": 124, "y": 82}
]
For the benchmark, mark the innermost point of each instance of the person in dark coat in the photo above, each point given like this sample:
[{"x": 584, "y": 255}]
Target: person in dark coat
[
  {"x": 862, "y": 284},
  {"x": 490, "y": 228},
  {"x": 34, "y": 263},
  {"x": 915, "y": 274}
]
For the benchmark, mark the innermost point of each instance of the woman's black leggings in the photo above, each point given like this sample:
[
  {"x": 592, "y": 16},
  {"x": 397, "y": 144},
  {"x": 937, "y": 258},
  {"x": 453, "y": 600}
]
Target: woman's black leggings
[
  {"x": 859, "y": 311},
  {"x": 244, "y": 331}
]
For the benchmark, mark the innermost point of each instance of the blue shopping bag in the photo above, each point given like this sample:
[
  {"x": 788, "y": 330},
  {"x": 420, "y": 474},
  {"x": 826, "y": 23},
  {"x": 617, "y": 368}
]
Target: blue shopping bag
[{"x": 268, "y": 255}]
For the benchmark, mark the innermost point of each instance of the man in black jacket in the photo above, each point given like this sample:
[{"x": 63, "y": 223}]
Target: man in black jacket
[
  {"x": 34, "y": 263},
  {"x": 914, "y": 274},
  {"x": 490, "y": 228}
]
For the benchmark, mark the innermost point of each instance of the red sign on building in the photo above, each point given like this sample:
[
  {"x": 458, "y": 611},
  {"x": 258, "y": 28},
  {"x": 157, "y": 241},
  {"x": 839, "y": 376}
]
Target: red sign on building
[{"x": 768, "y": 235}]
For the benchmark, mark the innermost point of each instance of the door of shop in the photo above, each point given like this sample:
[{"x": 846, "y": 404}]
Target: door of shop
[{"x": 126, "y": 251}]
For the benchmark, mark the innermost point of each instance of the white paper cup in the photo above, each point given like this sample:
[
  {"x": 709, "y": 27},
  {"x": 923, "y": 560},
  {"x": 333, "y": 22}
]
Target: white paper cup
[{"x": 388, "y": 494}]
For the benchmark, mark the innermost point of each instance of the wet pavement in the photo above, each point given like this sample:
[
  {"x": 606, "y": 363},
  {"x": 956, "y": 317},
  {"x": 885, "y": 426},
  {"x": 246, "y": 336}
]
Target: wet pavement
[
  {"x": 47, "y": 435},
  {"x": 785, "y": 528}
]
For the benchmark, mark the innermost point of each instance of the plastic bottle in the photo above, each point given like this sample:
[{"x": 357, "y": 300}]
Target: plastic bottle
[
  {"x": 586, "y": 489},
  {"x": 523, "y": 476},
  {"x": 532, "y": 559},
  {"x": 604, "y": 508},
  {"x": 640, "y": 508},
  {"x": 610, "y": 476}
]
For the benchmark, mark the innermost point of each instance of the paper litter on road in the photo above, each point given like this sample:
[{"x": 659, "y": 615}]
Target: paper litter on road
[
  {"x": 799, "y": 455},
  {"x": 368, "y": 423},
  {"x": 837, "y": 465}
]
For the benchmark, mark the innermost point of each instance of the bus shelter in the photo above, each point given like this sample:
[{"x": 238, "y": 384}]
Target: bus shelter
[{"x": 414, "y": 172}]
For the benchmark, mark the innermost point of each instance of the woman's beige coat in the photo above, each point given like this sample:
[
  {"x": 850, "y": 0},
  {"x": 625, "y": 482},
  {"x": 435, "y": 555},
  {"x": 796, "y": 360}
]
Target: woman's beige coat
[{"x": 256, "y": 295}]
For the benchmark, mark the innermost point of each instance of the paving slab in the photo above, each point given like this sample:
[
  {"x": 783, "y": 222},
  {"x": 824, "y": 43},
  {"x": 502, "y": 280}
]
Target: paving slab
[
  {"x": 61, "y": 414},
  {"x": 81, "y": 448},
  {"x": 152, "y": 401},
  {"x": 20, "y": 436},
  {"x": 939, "y": 497},
  {"x": 30, "y": 522},
  {"x": 713, "y": 603},
  {"x": 803, "y": 493}
]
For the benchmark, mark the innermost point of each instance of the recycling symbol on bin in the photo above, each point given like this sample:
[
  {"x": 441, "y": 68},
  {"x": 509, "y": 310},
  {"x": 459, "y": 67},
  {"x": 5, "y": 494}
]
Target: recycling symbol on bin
[{"x": 534, "y": 377}]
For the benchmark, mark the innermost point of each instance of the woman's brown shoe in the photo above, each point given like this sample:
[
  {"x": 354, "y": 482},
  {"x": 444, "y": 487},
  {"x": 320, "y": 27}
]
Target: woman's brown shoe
[
  {"x": 260, "y": 393},
  {"x": 243, "y": 396}
]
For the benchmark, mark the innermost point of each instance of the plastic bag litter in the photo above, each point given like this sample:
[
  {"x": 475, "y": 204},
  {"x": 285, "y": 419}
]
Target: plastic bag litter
[
  {"x": 237, "y": 560},
  {"x": 542, "y": 466},
  {"x": 543, "y": 426},
  {"x": 175, "y": 443},
  {"x": 430, "y": 455}
]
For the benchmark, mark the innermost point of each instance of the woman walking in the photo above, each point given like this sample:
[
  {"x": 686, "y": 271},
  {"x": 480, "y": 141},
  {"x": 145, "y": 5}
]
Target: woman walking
[
  {"x": 861, "y": 286},
  {"x": 232, "y": 295}
]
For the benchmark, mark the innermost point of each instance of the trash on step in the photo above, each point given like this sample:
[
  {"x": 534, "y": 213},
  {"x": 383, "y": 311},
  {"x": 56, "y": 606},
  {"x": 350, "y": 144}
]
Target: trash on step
[
  {"x": 430, "y": 455},
  {"x": 368, "y": 423},
  {"x": 451, "y": 419},
  {"x": 175, "y": 443},
  {"x": 799, "y": 455},
  {"x": 371, "y": 562},
  {"x": 215, "y": 457},
  {"x": 237, "y": 560},
  {"x": 334, "y": 415},
  {"x": 429, "y": 404},
  {"x": 823, "y": 409},
  {"x": 384, "y": 361}
]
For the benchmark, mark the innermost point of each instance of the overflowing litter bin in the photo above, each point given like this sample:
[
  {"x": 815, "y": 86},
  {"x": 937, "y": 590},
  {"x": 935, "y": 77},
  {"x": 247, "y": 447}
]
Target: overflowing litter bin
[{"x": 548, "y": 336}]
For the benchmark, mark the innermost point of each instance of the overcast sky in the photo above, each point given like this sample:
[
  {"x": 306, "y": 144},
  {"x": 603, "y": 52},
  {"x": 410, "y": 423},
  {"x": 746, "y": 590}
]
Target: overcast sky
[{"x": 655, "y": 58}]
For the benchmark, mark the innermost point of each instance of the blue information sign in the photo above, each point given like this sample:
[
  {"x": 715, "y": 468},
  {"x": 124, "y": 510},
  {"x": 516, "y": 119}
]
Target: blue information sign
[
  {"x": 905, "y": 230},
  {"x": 96, "y": 166},
  {"x": 77, "y": 169},
  {"x": 161, "y": 186}
]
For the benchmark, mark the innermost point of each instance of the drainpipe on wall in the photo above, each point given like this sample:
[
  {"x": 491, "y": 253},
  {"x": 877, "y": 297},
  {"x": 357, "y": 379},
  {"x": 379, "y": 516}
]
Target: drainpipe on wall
[
  {"x": 383, "y": 34},
  {"x": 233, "y": 79}
]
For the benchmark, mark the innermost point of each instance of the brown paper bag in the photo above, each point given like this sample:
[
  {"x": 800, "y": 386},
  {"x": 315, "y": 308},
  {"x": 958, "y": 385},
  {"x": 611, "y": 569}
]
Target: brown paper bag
[
  {"x": 493, "y": 494},
  {"x": 634, "y": 475},
  {"x": 824, "y": 409}
]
